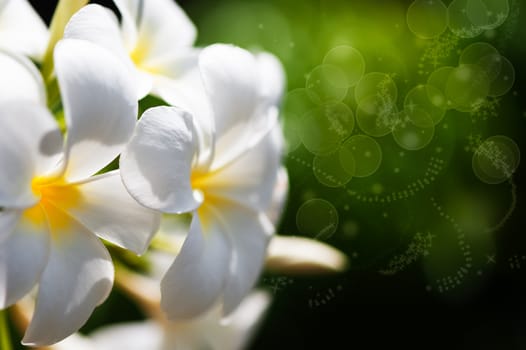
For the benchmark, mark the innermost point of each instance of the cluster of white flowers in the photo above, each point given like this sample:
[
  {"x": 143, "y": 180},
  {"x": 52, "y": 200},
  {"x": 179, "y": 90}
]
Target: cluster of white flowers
[{"x": 213, "y": 151}]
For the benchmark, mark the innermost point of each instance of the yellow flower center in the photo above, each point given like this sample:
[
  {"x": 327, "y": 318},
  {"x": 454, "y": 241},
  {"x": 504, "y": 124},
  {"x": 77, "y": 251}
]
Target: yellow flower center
[
  {"x": 56, "y": 196},
  {"x": 139, "y": 56}
]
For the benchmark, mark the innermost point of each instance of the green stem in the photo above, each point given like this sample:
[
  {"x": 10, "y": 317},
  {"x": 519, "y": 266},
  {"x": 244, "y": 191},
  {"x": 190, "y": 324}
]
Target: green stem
[{"x": 5, "y": 338}]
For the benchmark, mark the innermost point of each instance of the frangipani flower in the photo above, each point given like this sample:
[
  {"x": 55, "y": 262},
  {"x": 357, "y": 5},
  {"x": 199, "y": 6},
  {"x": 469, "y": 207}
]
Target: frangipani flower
[
  {"x": 230, "y": 188},
  {"x": 154, "y": 40},
  {"x": 53, "y": 201},
  {"x": 209, "y": 331}
]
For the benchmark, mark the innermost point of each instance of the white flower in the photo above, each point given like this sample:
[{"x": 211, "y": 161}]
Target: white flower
[
  {"x": 154, "y": 40},
  {"x": 21, "y": 29},
  {"x": 209, "y": 331},
  {"x": 228, "y": 179},
  {"x": 53, "y": 201}
]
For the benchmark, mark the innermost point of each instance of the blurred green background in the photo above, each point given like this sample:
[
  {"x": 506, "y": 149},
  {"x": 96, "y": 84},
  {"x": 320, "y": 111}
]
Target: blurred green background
[{"x": 413, "y": 171}]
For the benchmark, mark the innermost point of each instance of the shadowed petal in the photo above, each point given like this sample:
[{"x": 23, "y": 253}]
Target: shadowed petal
[
  {"x": 108, "y": 210},
  {"x": 249, "y": 232},
  {"x": 157, "y": 163},
  {"x": 233, "y": 84},
  {"x": 20, "y": 79},
  {"x": 23, "y": 256},
  {"x": 100, "y": 105},
  {"x": 197, "y": 277},
  {"x": 77, "y": 278},
  {"x": 26, "y": 152}
]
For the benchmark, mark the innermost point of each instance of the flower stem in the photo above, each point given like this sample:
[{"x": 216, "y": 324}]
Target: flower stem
[{"x": 5, "y": 338}]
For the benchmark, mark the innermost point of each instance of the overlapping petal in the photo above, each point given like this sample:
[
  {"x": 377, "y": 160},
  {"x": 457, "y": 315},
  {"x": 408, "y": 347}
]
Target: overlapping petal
[
  {"x": 198, "y": 275},
  {"x": 30, "y": 145},
  {"x": 129, "y": 336},
  {"x": 77, "y": 278},
  {"x": 250, "y": 232},
  {"x": 249, "y": 179},
  {"x": 236, "y": 331},
  {"x": 100, "y": 26},
  {"x": 8, "y": 221},
  {"x": 23, "y": 256},
  {"x": 159, "y": 28},
  {"x": 100, "y": 105},
  {"x": 187, "y": 92},
  {"x": 107, "y": 209},
  {"x": 21, "y": 29},
  {"x": 20, "y": 79},
  {"x": 231, "y": 79},
  {"x": 156, "y": 165}
]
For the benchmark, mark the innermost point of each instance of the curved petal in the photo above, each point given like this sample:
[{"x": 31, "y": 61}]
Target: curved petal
[
  {"x": 271, "y": 76},
  {"x": 21, "y": 29},
  {"x": 26, "y": 152},
  {"x": 249, "y": 179},
  {"x": 77, "y": 278},
  {"x": 75, "y": 341},
  {"x": 188, "y": 92},
  {"x": 300, "y": 255},
  {"x": 100, "y": 26},
  {"x": 197, "y": 277},
  {"x": 176, "y": 65},
  {"x": 242, "y": 117},
  {"x": 20, "y": 79},
  {"x": 23, "y": 256},
  {"x": 279, "y": 197},
  {"x": 100, "y": 105},
  {"x": 8, "y": 220},
  {"x": 97, "y": 25},
  {"x": 129, "y": 336},
  {"x": 156, "y": 165},
  {"x": 236, "y": 331},
  {"x": 108, "y": 210},
  {"x": 161, "y": 26},
  {"x": 250, "y": 233}
]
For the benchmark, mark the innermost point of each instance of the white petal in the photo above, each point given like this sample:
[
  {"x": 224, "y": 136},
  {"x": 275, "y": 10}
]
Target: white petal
[
  {"x": 176, "y": 65},
  {"x": 279, "y": 197},
  {"x": 187, "y": 92},
  {"x": 249, "y": 179},
  {"x": 21, "y": 29},
  {"x": 30, "y": 145},
  {"x": 100, "y": 105},
  {"x": 8, "y": 220},
  {"x": 160, "y": 24},
  {"x": 23, "y": 256},
  {"x": 100, "y": 26},
  {"x": 108, "y": 210},
  {"x": 75, "y": 341},
  {"x": 237, "y": 330},
  {"x": 300, "y": 255},
  {"x": 197, "y": 277},
  {"x": 271, "y": 76},
  {"x": 242, "y": 117},
  {"x": 249, "y": 232},
  {"x": 77, "y": 278},
  {"x": 97, "y": 25},
  {"x": 129, "y": 336},
  {"x": 20, "y": 79},
  {"x": 156, "y": 164}
]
